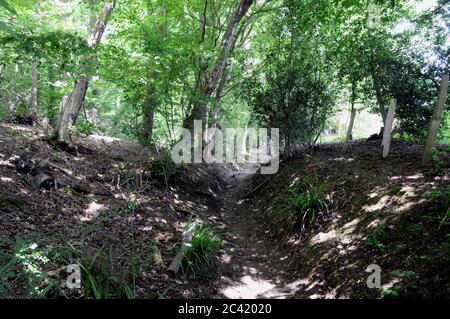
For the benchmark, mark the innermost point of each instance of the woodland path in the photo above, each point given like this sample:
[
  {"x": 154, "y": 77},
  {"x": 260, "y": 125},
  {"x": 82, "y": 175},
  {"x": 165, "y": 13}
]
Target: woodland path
[{"x": 253, "y": 266}]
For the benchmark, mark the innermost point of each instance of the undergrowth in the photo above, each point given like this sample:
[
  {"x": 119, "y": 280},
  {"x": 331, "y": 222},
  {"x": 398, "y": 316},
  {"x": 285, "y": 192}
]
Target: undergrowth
[
  {"x": 34, "y": 270},
  {"x": 201, "y": 257},
  {"x": 301, "y": 207}
]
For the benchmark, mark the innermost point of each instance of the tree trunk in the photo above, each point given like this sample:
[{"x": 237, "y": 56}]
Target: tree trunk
[
  {"x": 200, "y": 108},
  {"x": 436, "y": 121},
  {"x": 218, "y": 96},
  {"x": 149, "y": 111},
  {"x": 73, "y": 106},
  {"x": 388, "y": 128},
  {"x": 378, "y": 90},
  {"x": 34, "y": 93},
  {"x": 350, "y": 128},
  {"x": 151, "y": 102}
]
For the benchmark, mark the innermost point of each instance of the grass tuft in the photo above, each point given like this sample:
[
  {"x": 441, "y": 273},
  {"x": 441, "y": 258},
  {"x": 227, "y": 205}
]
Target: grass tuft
[
  {"x": 201, "y": 257},
  {"x": 302, "y": 205}
]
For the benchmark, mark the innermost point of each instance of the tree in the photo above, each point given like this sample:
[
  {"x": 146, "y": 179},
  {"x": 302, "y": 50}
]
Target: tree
[
  {"x": 72, "y": 106},
  {"x": 208, "y": 81},
  {"x": 436, "y": 120}
]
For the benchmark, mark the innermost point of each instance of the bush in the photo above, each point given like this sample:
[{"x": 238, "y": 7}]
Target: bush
[
  {"x": 302, "y": 205},
  {"x": 164, "y": 167},
  {"x": 84, "y": 128},
  {"x": 99, "y": 282},
  {"x": 201, "y": 257}
]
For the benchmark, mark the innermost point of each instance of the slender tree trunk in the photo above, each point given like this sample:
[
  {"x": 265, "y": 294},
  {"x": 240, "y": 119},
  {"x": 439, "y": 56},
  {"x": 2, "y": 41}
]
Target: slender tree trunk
[
  {"x": 149, "y": 107},
  {"x": 350, "y": 128},
  {"x": 388, "y": 128},
  {"x": 219, "y": 92},
  {"x": 151, "y": 102},
  {"x": 436, "y": 120},
  {"x": 34, "y": 93},
  {"x": 378, "y": 90},
  {"x": 73, "y": 106},
  {"x": 200, "y": 108},
  {"x": 352, "y": 121}
]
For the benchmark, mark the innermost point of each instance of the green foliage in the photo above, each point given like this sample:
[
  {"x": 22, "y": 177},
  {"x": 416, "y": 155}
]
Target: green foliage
[
  {"x": 3, "y": 26},
  {"x": 437, "y": 158},
  {"x": 11, "y": 203},
  {"x": 25, "y": 266},
  {"x": 377, "y": 239},
  {"x": 99, "y": 282},
  {"x": 4, "y": 4},
  {"x": 84, "y": 128},
  {"x": 164, "y": 167},
  {"x": 201, "y": 257},
  {"x": 408, "y": 282},
  {"x": 303, "y": 204}
]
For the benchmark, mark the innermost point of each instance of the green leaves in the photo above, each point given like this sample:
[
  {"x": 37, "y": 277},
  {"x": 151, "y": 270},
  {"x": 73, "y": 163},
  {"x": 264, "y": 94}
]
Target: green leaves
[
  {"x": 201, "y": 256},
  {"x": 3, "y": 26},
  {"x": 7, "y": 6}
]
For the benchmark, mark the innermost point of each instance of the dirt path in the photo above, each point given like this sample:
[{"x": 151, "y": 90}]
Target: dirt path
[{"x": 253, "y": 266}]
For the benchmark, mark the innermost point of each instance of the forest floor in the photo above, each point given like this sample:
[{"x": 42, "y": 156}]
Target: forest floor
[{"x": 125, "y": 226}]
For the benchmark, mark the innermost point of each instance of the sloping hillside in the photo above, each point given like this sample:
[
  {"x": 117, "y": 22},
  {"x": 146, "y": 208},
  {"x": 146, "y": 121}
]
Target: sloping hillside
[
  {"x": 392, "y": 213},
  {"x": 309, "y": 231}
]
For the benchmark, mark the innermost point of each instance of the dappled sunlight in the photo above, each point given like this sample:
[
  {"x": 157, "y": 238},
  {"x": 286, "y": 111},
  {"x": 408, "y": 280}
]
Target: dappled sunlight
[
  {"x": 6, "y": 180},
  {"x": 375, "y": 223},
  {"x": 93, "y": 210},
  {"x": 343, "y": 159},
  {"x": 377, "y": 206},
  {"x": 21, "y": 128},
  {"x": 324, "y": 237},
  {"x": 253, "y": 285},
  {"x": 342, "y": 234},
  {"x": 251, "y": 288},
  {"x": 104, "y": 139},
  {"x": 391, "y": 284},
  {"x": 415, "y": 176}
]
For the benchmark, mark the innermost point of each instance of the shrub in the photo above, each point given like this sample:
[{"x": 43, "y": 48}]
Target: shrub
[
  {"x": 84, "y": 128},
  {"x": 302, "y": 205},
  {"x": 164, "y": 168},
  {"x": 100, "y": 282},
  {"x": 201, "y": 257}
]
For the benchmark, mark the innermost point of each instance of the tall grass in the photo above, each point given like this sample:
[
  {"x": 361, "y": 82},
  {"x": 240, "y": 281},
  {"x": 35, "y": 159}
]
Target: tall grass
[
  {"x": 302, "y": 205},
  {"x": 201, "y": 257}
]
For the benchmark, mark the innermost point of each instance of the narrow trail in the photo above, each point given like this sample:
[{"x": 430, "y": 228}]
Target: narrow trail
[{"x": 253, "y": 266}]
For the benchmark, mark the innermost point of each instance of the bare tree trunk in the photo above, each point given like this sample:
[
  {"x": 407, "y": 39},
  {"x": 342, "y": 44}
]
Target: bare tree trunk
[
  {"x": 388, "y": 128},
  {"x": 72, "y": 107},
  {"x": 34, "y": 93},
  {"x": 436, "y": 121},
  {"x": 350, "y": 128}
]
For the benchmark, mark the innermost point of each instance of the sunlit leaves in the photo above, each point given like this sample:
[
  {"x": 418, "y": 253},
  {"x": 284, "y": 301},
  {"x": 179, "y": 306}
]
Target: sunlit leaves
[{"x": 7, "y": 6}]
